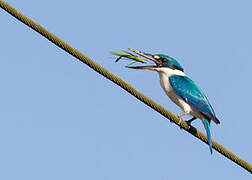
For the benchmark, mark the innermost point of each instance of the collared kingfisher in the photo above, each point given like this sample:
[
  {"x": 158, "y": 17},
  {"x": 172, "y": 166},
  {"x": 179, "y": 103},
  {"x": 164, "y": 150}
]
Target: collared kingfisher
[{"x": 181, "y": 90}]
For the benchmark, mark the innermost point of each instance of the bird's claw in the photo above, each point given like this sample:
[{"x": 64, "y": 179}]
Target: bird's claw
[
  {"x": 190, "y": 121},
  {"x": 180, "y": 120}
]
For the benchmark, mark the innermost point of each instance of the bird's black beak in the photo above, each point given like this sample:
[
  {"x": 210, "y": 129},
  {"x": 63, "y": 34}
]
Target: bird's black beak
[{"x": 148, "y": 56}]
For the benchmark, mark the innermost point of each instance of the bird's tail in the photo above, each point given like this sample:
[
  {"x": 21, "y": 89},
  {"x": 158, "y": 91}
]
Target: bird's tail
[{"x": 207, "y": 127}]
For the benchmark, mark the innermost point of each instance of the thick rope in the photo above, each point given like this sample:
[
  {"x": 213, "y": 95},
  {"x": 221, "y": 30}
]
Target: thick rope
[{"x": 120, "y": 82}]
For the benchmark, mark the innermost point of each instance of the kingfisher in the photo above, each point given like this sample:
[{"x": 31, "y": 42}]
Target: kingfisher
[{"x": 181, "y": 90}]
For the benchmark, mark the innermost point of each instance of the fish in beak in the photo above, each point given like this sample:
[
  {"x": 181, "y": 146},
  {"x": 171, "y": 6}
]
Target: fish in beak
[{"x": 151, "y": 57}]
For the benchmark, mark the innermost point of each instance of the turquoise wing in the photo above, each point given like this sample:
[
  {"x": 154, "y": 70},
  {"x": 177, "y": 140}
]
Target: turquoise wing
[{"x": 193, "y": 95}]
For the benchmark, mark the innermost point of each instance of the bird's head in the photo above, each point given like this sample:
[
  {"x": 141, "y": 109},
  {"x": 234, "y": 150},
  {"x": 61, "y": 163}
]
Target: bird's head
[{"x": 160, "y": 60}]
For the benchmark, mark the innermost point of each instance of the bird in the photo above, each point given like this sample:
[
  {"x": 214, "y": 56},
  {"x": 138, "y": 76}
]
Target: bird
[{"x": 181, "y": 90}]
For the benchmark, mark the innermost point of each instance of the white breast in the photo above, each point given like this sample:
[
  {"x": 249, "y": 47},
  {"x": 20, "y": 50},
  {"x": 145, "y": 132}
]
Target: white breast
[{"x": 164, "y": 74}]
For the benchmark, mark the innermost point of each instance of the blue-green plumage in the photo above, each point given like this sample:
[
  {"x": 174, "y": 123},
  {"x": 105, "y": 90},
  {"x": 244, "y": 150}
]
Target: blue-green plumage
[
  {"x": 207, "y": 127},
  {"x": 170, "y": 62},
  {"x": 181, "y": 90},
  {"x": 192, "y": 94}
]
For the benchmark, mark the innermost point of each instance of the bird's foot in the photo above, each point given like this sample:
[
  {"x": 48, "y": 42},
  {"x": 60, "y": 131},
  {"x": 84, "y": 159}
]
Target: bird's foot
[
  {"x": 190, "y": 121},
  {"x": 182, "y": 114},
  {"x": 180, "y": 120}
]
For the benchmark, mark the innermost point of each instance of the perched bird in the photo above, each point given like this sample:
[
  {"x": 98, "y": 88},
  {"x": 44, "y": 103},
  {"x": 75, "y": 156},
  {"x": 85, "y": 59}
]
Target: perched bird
[{"x": 181, "y": 90}]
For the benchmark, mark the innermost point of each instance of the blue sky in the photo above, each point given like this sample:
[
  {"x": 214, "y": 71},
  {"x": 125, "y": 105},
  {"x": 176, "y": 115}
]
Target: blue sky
[{"x": 61, "y": 120}]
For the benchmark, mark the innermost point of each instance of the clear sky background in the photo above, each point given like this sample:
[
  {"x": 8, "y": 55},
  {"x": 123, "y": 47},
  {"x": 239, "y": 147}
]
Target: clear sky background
[{"x": 61, "y": 120}]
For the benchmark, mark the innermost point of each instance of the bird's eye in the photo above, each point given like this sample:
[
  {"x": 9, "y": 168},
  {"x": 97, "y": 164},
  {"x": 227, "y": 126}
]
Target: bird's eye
[{"x": 163, "y": 60}]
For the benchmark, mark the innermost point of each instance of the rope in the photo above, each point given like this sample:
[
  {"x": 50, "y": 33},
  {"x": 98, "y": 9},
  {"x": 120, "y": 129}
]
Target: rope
[{"x": 123, "y": 84}]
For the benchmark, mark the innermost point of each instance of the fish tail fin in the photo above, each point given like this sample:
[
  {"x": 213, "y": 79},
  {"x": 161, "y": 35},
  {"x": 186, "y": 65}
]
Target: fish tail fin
[{"x": 207, "y": 127}]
